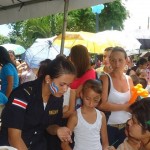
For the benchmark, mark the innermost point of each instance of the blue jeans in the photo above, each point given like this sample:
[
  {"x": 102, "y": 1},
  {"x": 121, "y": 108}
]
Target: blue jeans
[{"x": 115, "y": 135}]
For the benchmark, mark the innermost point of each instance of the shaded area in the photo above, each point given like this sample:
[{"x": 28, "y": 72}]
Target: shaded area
[{"x": 145, "y": 43}]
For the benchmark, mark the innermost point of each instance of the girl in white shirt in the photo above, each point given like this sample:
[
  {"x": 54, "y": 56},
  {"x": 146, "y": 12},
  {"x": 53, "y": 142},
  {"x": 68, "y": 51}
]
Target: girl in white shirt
[{"x": 88, "y": 123}]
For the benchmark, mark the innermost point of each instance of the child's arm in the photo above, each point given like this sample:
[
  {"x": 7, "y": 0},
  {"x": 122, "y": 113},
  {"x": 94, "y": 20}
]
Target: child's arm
[
  {"x": 71, "y": 108},
  {"x": 65, "y": 146},
  {"x": 104, "y": 136},
  {"x": 72, "y": 122},
  {"x": 103, "y": 132}
]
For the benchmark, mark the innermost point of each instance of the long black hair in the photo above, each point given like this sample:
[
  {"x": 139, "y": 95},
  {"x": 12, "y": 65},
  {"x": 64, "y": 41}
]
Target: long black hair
[
  {"x": 43, "y": 66},
  {"x": 4, "y": 57},
  {"x": 58, "y": 67}
]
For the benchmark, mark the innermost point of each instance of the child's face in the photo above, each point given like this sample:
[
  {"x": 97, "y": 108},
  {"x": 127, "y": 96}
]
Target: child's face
[{"x": 90, "y": 98}]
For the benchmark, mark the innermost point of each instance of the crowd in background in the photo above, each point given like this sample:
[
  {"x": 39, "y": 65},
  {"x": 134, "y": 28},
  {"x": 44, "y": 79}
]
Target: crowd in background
[{"x": 75, "y": 102}]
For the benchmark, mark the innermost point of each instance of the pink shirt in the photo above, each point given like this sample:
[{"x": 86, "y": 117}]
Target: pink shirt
[{"x": 90, "y": 74}]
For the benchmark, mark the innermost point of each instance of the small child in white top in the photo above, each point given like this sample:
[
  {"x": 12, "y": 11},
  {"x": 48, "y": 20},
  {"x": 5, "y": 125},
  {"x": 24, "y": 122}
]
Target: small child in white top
[{"x": 88, "y": 123}]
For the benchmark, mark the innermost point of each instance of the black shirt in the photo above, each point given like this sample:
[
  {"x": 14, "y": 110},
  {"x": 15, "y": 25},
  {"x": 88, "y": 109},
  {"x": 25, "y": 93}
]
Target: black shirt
[{"x": 25, "y": 111}]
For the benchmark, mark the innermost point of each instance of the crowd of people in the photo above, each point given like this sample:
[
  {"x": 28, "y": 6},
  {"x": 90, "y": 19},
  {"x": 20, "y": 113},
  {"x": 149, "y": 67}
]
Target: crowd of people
[{"x": 68, "y": 104}]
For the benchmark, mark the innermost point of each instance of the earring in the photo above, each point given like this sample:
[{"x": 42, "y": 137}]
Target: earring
[
  {"x": 126, "y": 68},
  {"x": 110, "y": 67}
]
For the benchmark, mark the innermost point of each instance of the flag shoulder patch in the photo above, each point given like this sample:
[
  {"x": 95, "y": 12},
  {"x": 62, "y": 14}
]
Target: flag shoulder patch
[{"x": 20, "y": 103}]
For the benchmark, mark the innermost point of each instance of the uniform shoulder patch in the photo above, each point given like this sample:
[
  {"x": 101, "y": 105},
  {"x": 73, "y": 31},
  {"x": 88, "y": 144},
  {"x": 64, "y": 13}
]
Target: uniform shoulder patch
[{"x": 20, "y": 103}]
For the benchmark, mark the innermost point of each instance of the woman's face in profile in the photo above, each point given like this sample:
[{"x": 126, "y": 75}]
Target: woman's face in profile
[
  {"x": 144, "y": 66},
  {"x": 106, "y": 56},
  {"x": 12, "y": 57}
]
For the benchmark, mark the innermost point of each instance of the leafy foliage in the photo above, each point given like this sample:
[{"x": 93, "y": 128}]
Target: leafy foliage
[
  {"x": 82, "y": 19},
  {"x": 25, "y": 32},
  {"x": 113, "y": 16},
  {"x": 4, "y": 39}
]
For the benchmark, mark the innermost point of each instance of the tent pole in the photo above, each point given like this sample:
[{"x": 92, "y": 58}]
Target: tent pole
[{"x": 64, "y": 26}]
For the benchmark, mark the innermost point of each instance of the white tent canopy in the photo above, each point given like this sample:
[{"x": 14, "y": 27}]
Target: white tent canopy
[{"x": 17, "y": 10}]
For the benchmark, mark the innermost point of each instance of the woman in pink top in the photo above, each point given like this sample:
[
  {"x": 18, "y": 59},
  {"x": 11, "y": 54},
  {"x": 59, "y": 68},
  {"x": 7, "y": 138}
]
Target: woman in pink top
[{"x": 79, "y": 56}]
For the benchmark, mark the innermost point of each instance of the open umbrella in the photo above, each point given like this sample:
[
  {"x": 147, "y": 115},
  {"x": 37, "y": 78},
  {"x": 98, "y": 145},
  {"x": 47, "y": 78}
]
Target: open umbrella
[
  {"x": 18, "y": 49},
  {"x": 41, "y": 50},
  {"x": 143, "y": 36},
  {"x": 111, "y": 38},
  {"x": 75, "y": 38}
]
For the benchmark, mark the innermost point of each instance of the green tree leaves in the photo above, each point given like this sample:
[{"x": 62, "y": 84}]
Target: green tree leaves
[{"x": 112, "y": 16}]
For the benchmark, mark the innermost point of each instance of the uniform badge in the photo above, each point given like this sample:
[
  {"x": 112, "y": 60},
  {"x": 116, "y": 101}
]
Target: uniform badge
[{"x": 53, "y": 112}]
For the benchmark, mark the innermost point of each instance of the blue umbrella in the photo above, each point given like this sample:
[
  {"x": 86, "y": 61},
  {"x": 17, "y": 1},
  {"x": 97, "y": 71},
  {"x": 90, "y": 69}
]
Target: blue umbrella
[
  {"x": 41, "y": 50},
  {"x": 18, "y": 49}
]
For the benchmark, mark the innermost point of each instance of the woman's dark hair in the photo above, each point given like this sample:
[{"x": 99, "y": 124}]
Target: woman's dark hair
[
  {"x": 119, "y": 49},
  {"x": 95, "y": 85},
  {"x": 135, "y": 79},
  {"x": 60, "y": 66},
  {"x": 141, "y": 110},
  {"x": 108, "y": 49},
  {"x": 11, "y": 51},
  {"x": 4, "y": 57},
  {"x": 43, "y": 67},
  {"x": 143, "y": 82},
  {"x": 80, "y": 57},
  {"x": 141, "y": 61}
]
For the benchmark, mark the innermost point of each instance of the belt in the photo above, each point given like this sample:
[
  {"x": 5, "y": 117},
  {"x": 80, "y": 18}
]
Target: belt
[{"x": 119, "y": 126}]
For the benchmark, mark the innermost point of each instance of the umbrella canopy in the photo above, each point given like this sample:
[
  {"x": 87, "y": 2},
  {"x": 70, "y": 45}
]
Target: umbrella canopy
[
  {"x": 18, "y": 49},
  {"x": 41, "y": 50},
  {"x": 111, "y": 38},
  {"x": 75, "y": 38},
  {"x": 143, "y": 36},
  {"x": 17, "y": 10}
]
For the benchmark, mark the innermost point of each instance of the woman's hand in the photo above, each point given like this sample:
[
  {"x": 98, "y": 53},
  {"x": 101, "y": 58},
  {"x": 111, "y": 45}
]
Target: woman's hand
[
  {"x": 127, "y": 107},
  {"x": 110, "y": 148},
  {"x": 64, "y": 134}
]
